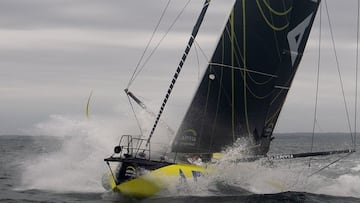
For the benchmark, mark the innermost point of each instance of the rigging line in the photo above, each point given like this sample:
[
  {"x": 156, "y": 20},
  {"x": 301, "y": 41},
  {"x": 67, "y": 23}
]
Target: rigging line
[
  {"x": 245, "y": 64},
  {"x": 337, "y": 160},
  {"x": 147, "y": 110},
  {"x": 245, "y": 69},
  {"x": 160, "y": 41},
  {"x": 317, "y": 85},
  {"x": 198, "y": 62},
  {"x": 228, "y": 66},
  {"x": 217, "y": 109},
  {"x": 205, "y": 107},
  {"x": 236, "y": 42},
  {"x": 277, "y": 49},
  {"x": 237, "y": 46},
  {"x": 281, "y": 103},
  {"x": 259, "y": 83},
  {"x": 286, "y": 16},
  {"x": 148, "y": 44},
  {"x": 274, "y": 30},
  {"x": 263, "y": 96},
  {"x": 219, "y": 92},
  {"x": 202, "y": 51},
  {"x": 338, "y": 69},
  {"x": 242, "y": 59},
  {"x": 357, "y": 68},
  {"x": 300, "y": 174},
  {"x": 232, "y": 70},
  {"x": 288, "y": 84},
  {"x": 319, "y": 127},
  {"x": 252, "y": 71},
  {"x": 224, "y": 92},
  {"x": 194, "y": 33},
  {"x": 136, "y": 118},
  {"x": 277, "y": 112}
]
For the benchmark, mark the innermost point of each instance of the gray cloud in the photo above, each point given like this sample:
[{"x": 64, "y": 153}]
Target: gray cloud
[{"x": 52, "y": 53}]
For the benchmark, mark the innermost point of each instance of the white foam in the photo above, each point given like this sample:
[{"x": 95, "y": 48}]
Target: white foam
[
  {"x": 288, "y": 175},
  {"x": 344, "y": 185},
  {"x": 356, "y": 168},
  {"x": 78, "y": 165},
  {"x": 262, "y": 177}
]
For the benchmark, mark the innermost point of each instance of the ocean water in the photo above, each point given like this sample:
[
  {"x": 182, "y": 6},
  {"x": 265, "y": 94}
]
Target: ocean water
[{"x": 68, "y": 168}]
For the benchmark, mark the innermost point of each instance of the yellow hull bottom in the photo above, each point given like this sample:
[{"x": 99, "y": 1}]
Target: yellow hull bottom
[{"x": 152, "y": 182}]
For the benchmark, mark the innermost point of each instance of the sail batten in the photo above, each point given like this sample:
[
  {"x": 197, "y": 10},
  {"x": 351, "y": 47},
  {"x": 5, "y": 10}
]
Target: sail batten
[
  {"x": 243, "y": 69},
  {"x": 248, "y": 77}
]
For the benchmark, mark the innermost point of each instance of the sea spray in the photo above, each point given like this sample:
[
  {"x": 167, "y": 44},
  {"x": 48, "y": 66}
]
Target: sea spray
[
  {"x": 78, "y": 165},
  {"x": 347, "y": 184},
  {"x": 263, "y": 176},
  {"x": 344, "y": 185}
]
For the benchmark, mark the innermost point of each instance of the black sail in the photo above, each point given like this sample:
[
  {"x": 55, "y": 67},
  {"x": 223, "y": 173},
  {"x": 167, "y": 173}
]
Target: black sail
[{"x": 246, "y": 82}]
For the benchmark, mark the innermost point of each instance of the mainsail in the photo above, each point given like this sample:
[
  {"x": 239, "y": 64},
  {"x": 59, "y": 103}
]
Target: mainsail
[{"x": 246, "y": 82}]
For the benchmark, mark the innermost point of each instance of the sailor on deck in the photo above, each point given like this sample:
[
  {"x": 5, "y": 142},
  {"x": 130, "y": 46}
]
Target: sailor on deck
[{"x": 196, "y": 160}]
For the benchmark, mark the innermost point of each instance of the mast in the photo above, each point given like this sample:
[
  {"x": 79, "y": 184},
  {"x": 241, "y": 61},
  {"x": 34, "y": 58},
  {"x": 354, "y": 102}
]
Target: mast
[{"x": 181, "y": 63}]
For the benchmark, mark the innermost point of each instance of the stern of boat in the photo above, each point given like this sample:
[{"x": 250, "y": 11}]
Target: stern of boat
[{"x": 132, "y": 171}]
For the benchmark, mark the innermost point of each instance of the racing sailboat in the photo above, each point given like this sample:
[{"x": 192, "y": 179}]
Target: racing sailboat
[{"x": 239, "y": 97}]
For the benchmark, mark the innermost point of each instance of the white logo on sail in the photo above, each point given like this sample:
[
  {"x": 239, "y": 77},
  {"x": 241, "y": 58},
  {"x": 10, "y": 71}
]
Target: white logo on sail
[{"x": 295, "y": 37}]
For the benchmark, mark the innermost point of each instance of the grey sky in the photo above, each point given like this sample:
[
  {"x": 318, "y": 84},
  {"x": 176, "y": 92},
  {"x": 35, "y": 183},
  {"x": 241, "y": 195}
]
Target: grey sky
[{"x": 53, "y": 53}]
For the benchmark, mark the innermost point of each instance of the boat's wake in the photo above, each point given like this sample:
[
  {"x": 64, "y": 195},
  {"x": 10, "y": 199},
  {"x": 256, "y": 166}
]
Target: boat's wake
[{"x": 267, "y": 177}]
